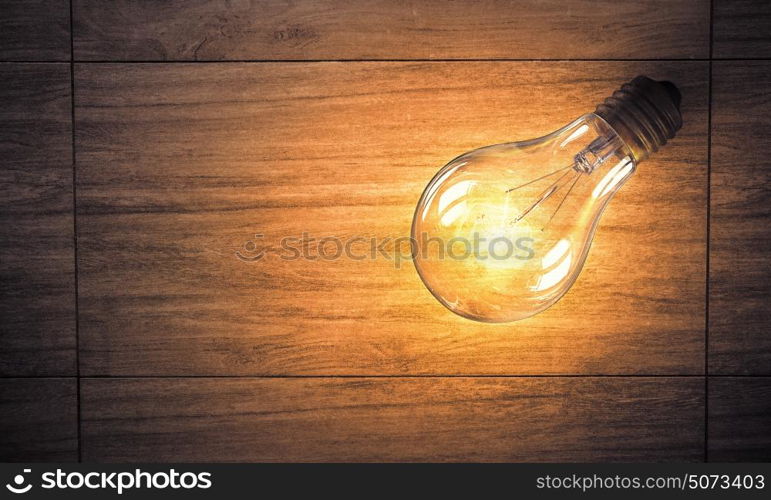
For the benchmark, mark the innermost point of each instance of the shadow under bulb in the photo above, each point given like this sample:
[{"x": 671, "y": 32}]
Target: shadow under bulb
[{"x": 501, "y": 232}]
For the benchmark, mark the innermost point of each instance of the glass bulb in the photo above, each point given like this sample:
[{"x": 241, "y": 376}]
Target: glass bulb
[{"x": 502, "y": 232}]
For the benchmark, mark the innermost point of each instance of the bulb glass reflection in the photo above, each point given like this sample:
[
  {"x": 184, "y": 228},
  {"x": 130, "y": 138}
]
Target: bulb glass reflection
[{"x": 501, "y": 232}]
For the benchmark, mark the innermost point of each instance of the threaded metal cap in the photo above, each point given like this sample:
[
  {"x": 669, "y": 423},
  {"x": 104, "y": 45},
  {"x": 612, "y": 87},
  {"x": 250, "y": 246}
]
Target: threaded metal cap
[{"x": 645, "y": 114}]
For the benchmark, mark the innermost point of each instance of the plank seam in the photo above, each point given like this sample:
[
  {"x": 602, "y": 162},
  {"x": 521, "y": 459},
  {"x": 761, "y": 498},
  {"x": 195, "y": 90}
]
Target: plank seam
[
  {"x": 75, "y": 230},
  {"x": 246, "y": 377},
  {"x": 301, "y": 61},
  {"x": 707, "y": 243}
]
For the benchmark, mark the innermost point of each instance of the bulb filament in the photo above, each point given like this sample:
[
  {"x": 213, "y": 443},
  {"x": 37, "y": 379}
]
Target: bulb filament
[{"x": 585, "y": 162}]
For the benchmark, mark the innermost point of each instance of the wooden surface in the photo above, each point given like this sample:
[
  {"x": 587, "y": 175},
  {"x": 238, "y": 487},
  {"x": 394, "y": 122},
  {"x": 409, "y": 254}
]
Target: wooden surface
[
  {"x": 740, "y": 281},
  {"x": 37, "y": 295},
  {"x": 739, "y": 424},
  {"x": 38, "y": 418},
  {"x": 373, "y": 29},
  {"x": 34, "y": 30},
  {"x": 174, "y": 179},
  {"x": 180, "y": 163},
  {"x": 741, "y": 29},
  {"x": 394, "y": 419}
]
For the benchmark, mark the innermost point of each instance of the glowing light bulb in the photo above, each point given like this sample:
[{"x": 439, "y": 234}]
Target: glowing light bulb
[{"x": 503, "y": 231}]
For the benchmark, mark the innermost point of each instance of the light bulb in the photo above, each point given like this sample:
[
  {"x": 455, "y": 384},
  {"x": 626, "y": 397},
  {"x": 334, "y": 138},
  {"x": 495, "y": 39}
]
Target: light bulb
[{"x": 502, "y": 232}]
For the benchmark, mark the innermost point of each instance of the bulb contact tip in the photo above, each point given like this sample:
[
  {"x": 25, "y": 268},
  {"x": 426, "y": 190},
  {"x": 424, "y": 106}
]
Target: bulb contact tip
[{"x": 673, "y": 91}]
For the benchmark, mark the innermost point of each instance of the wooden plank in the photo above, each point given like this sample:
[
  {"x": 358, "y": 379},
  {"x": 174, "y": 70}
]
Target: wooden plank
[
  {"x": 740, "y": 265},
  {"x": 741, "y": 28},
  {"x": 38, "y": 418},
  {"x": 739, "y": 419},
  {"x": 37, "y": 294},
  {"x": 34, "y": 30},
  {"x": 180, "y": 165},
  {"x": 393, "y": 419},
  {"x": 376, "y": 29}
]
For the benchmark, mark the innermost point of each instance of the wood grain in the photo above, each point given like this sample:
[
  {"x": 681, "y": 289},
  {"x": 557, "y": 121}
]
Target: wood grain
[
  {"x": 38, "y": 418},
  {"x": 740, "y": 265},
  {"x": 741, "y": 28},
  {"x": 739, "y": 419},
  {"x": 393, "y": 419},
  {"x": 34, "y": 30},
  {"x": 180, "y": 165},
  {"x": 377, "y": 29},
  {"x": 37, "y": 294}
]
